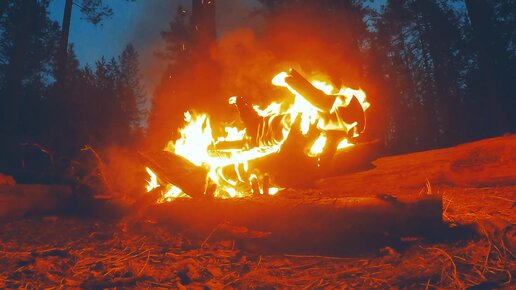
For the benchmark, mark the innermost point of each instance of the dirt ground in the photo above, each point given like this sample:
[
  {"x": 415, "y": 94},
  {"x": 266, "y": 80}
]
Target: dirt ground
[
  {"x": 478, "y": 252},
  {"x": 64, "y": 252}
]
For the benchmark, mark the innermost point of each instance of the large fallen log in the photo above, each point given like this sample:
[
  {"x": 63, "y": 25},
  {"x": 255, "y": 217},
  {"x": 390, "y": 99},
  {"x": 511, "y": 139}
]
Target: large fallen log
[
  {"x": 17, "y": 201},
  {"x": 300, "y": 223},
  {"x": 490, "y": 162}
]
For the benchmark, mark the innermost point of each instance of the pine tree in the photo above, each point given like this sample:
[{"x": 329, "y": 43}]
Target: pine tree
[
  {"x": 440, "y": 37},
  {"x": 93, "y": 11},
  {"x": 493, "y": 25},
  {"x": 394, "y": 54},
  {"x": 130, "y": 90},
  {"x": 27, "y": 42}
]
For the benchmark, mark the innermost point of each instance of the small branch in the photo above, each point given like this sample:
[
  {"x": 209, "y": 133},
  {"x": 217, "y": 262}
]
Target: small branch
[
  {"x": 455, "y": 275},
  {"x": 101, "y": 166},
  {"x": 210, "y": 234}
]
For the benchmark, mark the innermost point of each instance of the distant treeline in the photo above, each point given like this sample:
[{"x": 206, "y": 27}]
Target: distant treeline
[
  {"x": 436, "y": 72},
  {"x": 97, "y": 105}
]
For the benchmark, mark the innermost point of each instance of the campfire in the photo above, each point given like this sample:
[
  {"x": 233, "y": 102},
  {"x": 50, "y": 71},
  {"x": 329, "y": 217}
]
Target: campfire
[
  {"x": 319, "y": 118},
  {"x": 204, "y": 144}
]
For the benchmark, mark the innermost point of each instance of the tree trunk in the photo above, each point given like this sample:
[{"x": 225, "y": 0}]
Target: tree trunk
[
  {"x": 484, "y": 34},
  {"x": 203, "y": 26},
  {"x": 443, "y": 91},
  {"x": 63, "y": 44},
  {"x": 10, "y": 106}
]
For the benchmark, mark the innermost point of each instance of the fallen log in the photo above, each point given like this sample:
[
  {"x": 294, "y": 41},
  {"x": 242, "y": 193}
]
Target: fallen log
[
  {"x": 298, "y": 223},
  {"x": 489, "y": 162},
  {"x": 17, "y": 201}
]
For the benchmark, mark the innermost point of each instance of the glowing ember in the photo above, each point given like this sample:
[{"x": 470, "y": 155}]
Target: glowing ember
[{"x": 317, "y": 106}]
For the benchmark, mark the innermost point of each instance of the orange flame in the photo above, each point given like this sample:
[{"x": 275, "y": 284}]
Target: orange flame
[{"x": 229, "y": 168}]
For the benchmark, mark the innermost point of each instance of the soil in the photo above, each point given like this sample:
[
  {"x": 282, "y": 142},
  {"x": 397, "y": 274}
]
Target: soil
[{"x": 477, "y": 182}]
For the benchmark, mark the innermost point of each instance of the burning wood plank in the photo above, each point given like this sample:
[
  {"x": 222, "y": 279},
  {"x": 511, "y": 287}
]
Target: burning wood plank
[
  {"x": 316, "y": 97},
  {"x": 301, "y": 224},
  {"x": 174, "y": 169},
  {"x": 352, "y": 112}
]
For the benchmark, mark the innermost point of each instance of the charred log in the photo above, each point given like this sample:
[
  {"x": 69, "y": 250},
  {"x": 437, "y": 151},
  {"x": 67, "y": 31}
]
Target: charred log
[
  {"x": 298, "y": 223},
  {"x": 351, "y": 113},
  {"x": 174, "y": 169},
  {"x": 266, "y": 184},
  {"x": 316, "y": 97}
]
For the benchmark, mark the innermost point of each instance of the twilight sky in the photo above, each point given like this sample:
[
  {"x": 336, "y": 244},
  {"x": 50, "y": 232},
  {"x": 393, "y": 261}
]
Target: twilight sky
[{"x": 140, "y": 23}]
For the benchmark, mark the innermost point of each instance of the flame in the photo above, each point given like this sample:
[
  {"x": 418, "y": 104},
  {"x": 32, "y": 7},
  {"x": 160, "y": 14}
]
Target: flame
[
  {"x": 344, "y": 144},
  {"x": 153, "y": 182},
  {"x": 274, "y": 190},
  {"x": 172, "y": 192},
  {"x": 227, "y": 157},
  {"x": 318, "y": 146}
]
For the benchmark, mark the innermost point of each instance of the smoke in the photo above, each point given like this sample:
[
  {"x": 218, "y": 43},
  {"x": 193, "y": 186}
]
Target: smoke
[
  {"x": 236, "y": 14},
  {"x": 250, "y": 51},
  {"x": 153, "y": 17},
  {"x": 144, "y": 31}
]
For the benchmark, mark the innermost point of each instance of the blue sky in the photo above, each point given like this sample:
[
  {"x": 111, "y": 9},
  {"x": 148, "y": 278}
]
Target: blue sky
[
  {"x": 140, "y": 23},
  {"x": 127, "y": 25}
]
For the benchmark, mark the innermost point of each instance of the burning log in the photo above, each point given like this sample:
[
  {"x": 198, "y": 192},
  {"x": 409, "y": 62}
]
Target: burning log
[
  {"x": 255, "y": 186},
  {"x": 291, "y": 167},
  {"x": 266, "y": 184},
  {"x": 355, "y": 158},
  {"x": 299, "y": 223},
  {"x": 174, "y": 169},
  {"x": 353, "y": 112},
  {"x": 316, "y": 97},
  {"x": 249, "y": 117},
  {"x": 289, "y": 141}
]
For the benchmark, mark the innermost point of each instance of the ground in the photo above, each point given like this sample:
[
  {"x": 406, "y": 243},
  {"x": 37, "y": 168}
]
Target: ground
[{"x": 477, "y": 182}]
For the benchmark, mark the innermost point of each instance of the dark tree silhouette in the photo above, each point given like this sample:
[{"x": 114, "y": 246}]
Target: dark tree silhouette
[
  {"x": 130, "y": 90},
  {"x": 94, "y": 11},
  {"x": 493, "y": 33},
  {"x": 27, "y": 42},
  {"x": 99, "y": 108},
  {"x": 203, "y": 25},
  {"x": 437, "y": 72}
]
